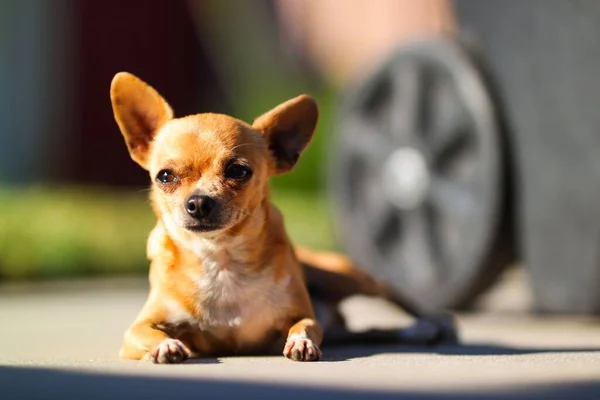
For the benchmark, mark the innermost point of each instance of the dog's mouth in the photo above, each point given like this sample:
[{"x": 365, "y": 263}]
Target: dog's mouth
[
  {"x": 216, "y": 222},
  {"x": 202, "y": 227}
]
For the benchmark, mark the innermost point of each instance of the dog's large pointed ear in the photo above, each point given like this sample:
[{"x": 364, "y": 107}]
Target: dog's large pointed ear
[
  {"x": 289, "y": 128},
  {"x": 139, "y": 111}
]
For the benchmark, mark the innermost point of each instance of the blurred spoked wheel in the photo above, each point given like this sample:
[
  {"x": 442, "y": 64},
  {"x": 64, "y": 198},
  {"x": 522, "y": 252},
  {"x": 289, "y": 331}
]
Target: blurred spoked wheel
[{"x": 417, "y": 176}]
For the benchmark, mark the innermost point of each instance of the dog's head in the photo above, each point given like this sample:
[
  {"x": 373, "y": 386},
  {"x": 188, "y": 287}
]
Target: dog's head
[{"x": 208, "y": 171}]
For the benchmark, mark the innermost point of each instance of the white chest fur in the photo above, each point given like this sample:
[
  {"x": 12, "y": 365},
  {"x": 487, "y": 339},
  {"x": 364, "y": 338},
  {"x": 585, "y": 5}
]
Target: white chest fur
[{"x": 232, "y": 297}]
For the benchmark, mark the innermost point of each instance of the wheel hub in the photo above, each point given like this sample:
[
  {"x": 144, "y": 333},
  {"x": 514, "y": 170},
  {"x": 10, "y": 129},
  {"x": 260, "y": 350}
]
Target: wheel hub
[{"x": 406, "y": 178}]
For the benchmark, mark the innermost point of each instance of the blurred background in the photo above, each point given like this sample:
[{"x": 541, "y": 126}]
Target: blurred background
[
  {"x": 519, "y": 183},
  {"x": 72, "y": 200}
]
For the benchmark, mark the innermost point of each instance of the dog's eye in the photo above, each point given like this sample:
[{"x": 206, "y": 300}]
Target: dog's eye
[
  {"x": 166, "y": 176},
  {"x": 238, "y": 172}
]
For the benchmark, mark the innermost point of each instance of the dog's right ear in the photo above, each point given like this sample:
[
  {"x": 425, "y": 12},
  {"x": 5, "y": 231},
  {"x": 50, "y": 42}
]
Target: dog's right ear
[
  {"x": 139, "y": 111},
  {"x": 289, "y": 128}
]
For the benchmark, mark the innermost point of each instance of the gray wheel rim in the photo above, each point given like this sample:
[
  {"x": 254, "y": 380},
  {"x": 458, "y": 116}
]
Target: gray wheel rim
[{"x": 428, "y": 233}]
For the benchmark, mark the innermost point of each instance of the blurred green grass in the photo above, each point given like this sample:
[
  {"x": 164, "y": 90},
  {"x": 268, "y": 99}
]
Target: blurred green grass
[{"x": 55, "y": 232}]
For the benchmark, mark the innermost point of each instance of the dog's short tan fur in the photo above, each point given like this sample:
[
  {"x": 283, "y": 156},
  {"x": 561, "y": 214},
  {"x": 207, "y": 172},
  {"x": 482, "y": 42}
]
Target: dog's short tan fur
[{"x": 234, "y": 284}]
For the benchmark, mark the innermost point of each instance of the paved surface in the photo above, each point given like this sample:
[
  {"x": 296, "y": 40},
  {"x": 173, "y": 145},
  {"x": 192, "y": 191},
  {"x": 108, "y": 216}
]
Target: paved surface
[{"x": 61, "y": 340}]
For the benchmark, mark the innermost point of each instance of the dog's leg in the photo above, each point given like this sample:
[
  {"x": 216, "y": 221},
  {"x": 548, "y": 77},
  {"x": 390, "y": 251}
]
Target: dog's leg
[
  {"x": 303, "y": 341},
  {"x": 145, "y": 341},
  {"x": 333, "y": 277}
]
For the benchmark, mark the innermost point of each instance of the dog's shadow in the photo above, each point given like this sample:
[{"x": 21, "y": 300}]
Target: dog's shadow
[
  {"x": 346, "y": 352},
  {"x": 335, "y": 353},
  {"x": 204, "y": 361}
]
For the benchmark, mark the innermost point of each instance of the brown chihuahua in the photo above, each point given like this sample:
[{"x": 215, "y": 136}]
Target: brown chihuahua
[{"x": 224, "y": 277}]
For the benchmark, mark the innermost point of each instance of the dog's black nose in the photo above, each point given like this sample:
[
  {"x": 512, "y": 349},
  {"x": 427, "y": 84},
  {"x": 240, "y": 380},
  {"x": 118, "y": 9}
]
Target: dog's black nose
[{"x": 199, "y": 206}]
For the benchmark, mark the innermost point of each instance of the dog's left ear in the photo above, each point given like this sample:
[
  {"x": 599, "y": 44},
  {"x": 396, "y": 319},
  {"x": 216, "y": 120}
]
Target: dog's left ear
[{"x": 289, "y": 128}]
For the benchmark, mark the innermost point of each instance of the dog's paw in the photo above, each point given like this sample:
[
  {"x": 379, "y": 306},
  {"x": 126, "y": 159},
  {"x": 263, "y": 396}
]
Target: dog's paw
[
  {"x": 169, "y": 351},
  {"x": 301, "y": 348}
]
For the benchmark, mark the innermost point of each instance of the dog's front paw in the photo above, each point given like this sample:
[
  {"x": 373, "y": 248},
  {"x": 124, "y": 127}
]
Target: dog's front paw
[
  {"x": 301, "y": 348},
  {"x": 169, "y": 351}
]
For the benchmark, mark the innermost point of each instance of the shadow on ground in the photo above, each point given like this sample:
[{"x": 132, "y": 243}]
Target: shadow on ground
[
  {"x": 344, "y": 353},
  {"x": 340, "y": 353},
  {"x": 39, "y": 383}
]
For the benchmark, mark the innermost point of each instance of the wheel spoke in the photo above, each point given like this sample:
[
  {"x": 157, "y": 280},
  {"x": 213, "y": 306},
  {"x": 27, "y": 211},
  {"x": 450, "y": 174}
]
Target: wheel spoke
[
  {"x": 451, "y": 199},
  {"x": 367, "y": 140},
  {"x": 407, "y": 101},
  {"x": 449, "y": 129},
  {"x": 418, "y": 251},
  {"x": 448, "y": 145}
]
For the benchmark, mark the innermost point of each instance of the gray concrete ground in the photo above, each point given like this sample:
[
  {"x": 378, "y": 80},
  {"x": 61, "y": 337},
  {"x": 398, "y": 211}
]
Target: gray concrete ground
[{"x": 59, "y": 341}]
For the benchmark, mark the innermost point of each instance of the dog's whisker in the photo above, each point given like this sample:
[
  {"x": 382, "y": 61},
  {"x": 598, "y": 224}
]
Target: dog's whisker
[{"x": 241, "y": 145}]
